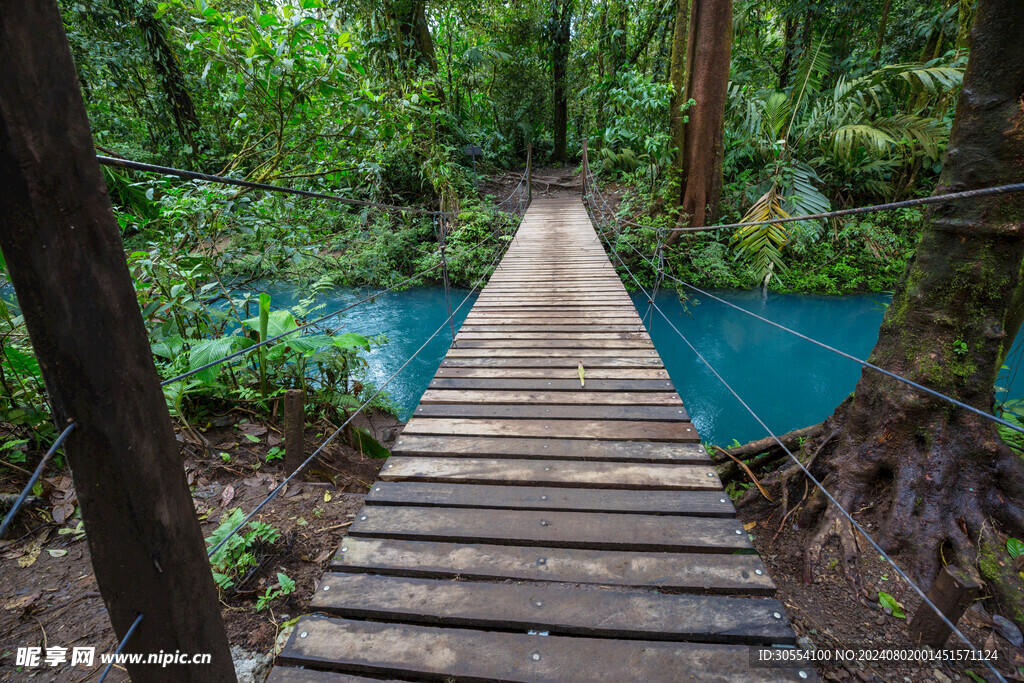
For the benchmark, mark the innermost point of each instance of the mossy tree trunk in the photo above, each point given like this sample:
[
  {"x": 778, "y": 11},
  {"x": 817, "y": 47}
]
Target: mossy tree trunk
[
  {"x": 560, "y": 24},
  {"x": 699, "y": 167},
  {"x": 949, "y": 486}
]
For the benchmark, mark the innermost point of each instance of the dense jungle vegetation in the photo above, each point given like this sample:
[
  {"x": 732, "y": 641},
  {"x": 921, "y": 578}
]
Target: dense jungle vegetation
[
  {"x": 693, "y": 113},
  {"x": 826, "y": 106}
]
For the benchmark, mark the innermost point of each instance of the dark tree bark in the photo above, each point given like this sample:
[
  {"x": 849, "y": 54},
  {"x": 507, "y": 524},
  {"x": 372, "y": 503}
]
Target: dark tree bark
[
  {"x": 677, "y": 75},
  {"x": 709, "y": 46},
  {"x": 165, "y": 64},
  {"x": 788, "y": 34},
  {"x": 882, "y": 23},
  {"x": 948, "y": 485},
  {"x": 561, "y": 21},
  {"x": 65, "y": 257}
]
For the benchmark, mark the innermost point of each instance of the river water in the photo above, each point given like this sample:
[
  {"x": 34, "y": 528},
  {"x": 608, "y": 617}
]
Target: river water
[{"x": 788, "y": 382}]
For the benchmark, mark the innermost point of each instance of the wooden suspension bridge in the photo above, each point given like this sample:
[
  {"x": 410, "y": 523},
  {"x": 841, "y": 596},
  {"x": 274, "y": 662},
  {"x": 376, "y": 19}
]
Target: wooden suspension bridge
[{"x": 536, "y": 525}]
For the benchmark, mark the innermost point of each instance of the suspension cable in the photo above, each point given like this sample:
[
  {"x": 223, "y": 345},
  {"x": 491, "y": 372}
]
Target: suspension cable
[
  {"x": 120, "y": 647},
  {"x": 366, "y": 403},
  {"x": 861, "y": 362},
  {"x": 35, "y": 477},
  {"x": 270, "y": 340},
  {"x": 820, "y": 486},
  {"x": 933, "y": 199}
]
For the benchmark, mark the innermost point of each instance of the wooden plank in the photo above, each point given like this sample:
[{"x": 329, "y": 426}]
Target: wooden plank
[
  {"x": 64, "y": 255},
  {"x": 592, "y": 361},
  {"x": 564, "y": 343},
  {"x": 525, "y": 350},
  {"x": 530, "y": 384},
  {"x": 610, "y": 475},
  {"x": 432, "y": 494},
  {"x": 615, "y": 430},
  {"x": 556, "y": 609},
  {"x": 288, "y": 674},
  {"x": 626, "y": 398},
  {"x": 553, "y": 328},
  {"x": 552, "y": 449},
  {"x": 593, "y": 374},
  {"x": 488, "y": 411},
  {"x": 464, "y": 654},
  {"x": 642, "y": 336},
  {"x": 553, "y": 529}
]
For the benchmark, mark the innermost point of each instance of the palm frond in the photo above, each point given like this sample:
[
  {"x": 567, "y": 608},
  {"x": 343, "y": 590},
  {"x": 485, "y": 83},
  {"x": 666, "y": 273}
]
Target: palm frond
[{"x": 761, "y": 245}]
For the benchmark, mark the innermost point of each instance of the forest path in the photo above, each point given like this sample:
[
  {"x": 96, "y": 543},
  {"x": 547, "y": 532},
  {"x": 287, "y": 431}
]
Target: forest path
[{"x": 529, "y": 498}]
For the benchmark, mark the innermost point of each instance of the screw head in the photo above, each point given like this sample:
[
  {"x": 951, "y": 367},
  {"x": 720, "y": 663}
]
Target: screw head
[
  {"x": 544, "y": 522},
  {"x": 711, "y": 474},
  {"x": 327, "y": 588},
  {"x": 303, "y": 634},
  {"x": 721, "y": 500},
  {"x": 758, "y": 572},
  {"x": 363, "y": 518},
  {"x": 738, "y": 531},
  {"x": 377, "y": 489},
  {"x": 344, "y": 550},
  {"x": 802, "y": 674},
  {"x": 536, "y": 657},
  {"x": 390, "y": 466},
  {"x": 776, "y": 615},
  {"x": 543, "y": 497},
  {"x": 539, "y": 603},
  {"x": 542, "y": 561}
]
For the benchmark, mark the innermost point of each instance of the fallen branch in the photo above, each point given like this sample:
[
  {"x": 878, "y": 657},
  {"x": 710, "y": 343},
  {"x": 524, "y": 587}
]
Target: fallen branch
[{"x": 749, "y": 473}]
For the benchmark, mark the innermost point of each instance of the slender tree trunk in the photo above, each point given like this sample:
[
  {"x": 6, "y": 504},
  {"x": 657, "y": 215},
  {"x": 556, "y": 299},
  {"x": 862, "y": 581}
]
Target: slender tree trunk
[
  {"x": 709, "y": 47},
  {"x": 677, "y": 75},
  {"x": 165, "y": 64},
  {"x": 561, "y": 20},
  {"x": 946, "y": 483},
  {"x": 882, "y": 23},
  {"x": 789, "y": 34},
  {"x": 601, "y": 41}
]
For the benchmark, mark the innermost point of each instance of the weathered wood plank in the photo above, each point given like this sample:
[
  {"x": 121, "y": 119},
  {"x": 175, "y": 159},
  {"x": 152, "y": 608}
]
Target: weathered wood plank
[
  {"x": 592, "y": 361},
  {"x": 557, "y": 609},
  {"x": 611, "y": 475},
  {"x": 638, "y": 413},
  {"x": 558, "y": 373},
  {"x": 531, "y": 384},
  {"x": 288, "y": 674},
  {"x": 553, "y": 529},
  {"x": 582, "y": 327},
  {"x": 615, "y": 430},
  {"x": 624, "y": 398},
  {"x": 465, "y": 654},
  {"x": 432, "y": 494},
  {"x": 608, "y": 344},
  {"x": 525, "y": 350},
  {"x": 552, "y": 449}
]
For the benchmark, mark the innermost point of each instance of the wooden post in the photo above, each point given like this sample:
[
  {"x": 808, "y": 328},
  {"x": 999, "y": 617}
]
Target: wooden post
[
  {"x": 294, "y": 430},
  {"x": 953, "y": 592},
  {"x": 529, "y": 173},
  {"x": 586, "y": 169},
  {"x": 67, "y": 264}
]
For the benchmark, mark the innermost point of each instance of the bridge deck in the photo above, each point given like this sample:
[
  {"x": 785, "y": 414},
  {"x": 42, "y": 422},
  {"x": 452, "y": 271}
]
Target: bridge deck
[{"x": 519, "y": 503}]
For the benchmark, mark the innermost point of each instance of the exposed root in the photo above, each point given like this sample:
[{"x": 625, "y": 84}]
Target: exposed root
[{"x": 836, "y": 526}]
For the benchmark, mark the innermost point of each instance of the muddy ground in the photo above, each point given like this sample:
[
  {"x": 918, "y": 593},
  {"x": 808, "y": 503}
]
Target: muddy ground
[{"x": 49, "y": 596}]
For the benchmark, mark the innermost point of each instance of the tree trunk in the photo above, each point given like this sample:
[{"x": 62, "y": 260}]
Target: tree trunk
[
  {"x": 165, "y": 64},
  {"x": 882, "y": 22},
  {"x": 946, "y": 483},
  {"x": 708, "y": 51},
  {"x": 677, "y": 75},
  {"x": 561, "y": 19},
  {"x": 789, "y": 33},
  {"x": 601, "y": 41}
]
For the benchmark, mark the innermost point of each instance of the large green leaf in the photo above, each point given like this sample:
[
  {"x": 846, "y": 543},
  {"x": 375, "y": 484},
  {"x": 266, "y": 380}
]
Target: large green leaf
[
  {"x": 209, "y": 350},
  {"x": 278, "y": 322},
  {"x": 351, "y": 340},
  {"x": 20, "y": 362},
  {"x": 363, "y": 440}
]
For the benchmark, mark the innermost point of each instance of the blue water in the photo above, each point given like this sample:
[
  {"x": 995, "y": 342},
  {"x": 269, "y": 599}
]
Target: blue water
[
  {"x": 406, "y": 319},
  {"x": 788, "y": 382}
]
